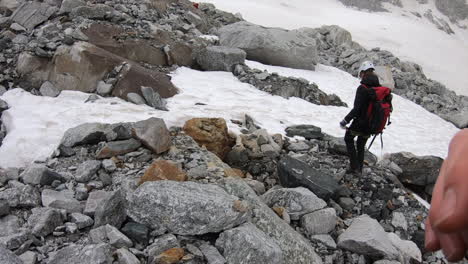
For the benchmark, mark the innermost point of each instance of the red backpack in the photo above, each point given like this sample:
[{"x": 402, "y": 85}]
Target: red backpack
[{"x": 379, "y": 110}]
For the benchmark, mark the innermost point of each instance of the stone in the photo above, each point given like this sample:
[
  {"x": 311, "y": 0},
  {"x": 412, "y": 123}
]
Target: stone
[
  {"x": 211, "y": 133},
  {"x": 346, "y": 203},
  {"x": 163, "y": 170},
  {"x": 365, "y": 236},
  {"x": 176, "y": 207},
  {"x": 22, "y": 196},
  {"x": 136, "y": 98},
  {"x": 116, "y": 238},
  {"x": 87, "y": 170},
  {"x": 306, "y": 131},
  {"x": 48, "y": 89},
  {"x": 98, "y": 235},
  {"x": 417, "y": 170},
  {"x": 295, "y": 173},
  {"x": 212, "y": 254},
  {"x": 115, "y": 148},
  {"x": 97, "y": 11},
  {"x": 68, "y": 5},
  {"x": 103, "y": 88},
  {"x": 95, "y": 198},
  {"x": 399, "y": 221},
  {"x": 109, "y": 165},
  {"x": 11, "y": 5},
  {"x": 16, "y": 239},
  {"x": 160, "y": 245},
  {"x": 153, "y": 99},
  {"x": 273, "y": 46},
  {"x": 153, "y": 134},
  {"x": 218, "y": 58},
  {"x": 387, "y": 262},
  {"x": 136, "y": 232},
  {"x": 296, "y": 249},
  {"x": 111, "y": 210},
  {"x": 78, "y": 254},
  {"x": 247, "y": 244},
  {"x": 31, "y": 14},
  {"x": 17, "y": 27},
  {"x": 28, "y": 257},
  {"x": 9, "y": 225},
  {"x": 297, "y": 201},
  {"x": 39, "y": 174},
  {"x": 170, "y": 256},
  {"x": 4, "y": 208},
  {"x": 33, "y": 70},
  {"x": 124, "y": 256},
  {"x": 44, "y": 221},
  {"x": 61, "y": 200},
  {"x": 319, "y": 222},
  {"x": 298, "y": 146},
  {"x": 458, "y": 118},
  {"x": 88, "y": 133},
  {"x": 325, "y": 239},
  {"x": 81, "y": 220},
  {"x": 8, "y": 257},
  {"x": 408, "y": 249}
]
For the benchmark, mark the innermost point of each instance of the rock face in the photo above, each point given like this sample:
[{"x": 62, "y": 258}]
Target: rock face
[
  {"x": 218, "y": 58},
  {"x": 185, "y": 208},
  {"x": 211, "y": 133},
  {"x": 31, "y": 14},
  {"x": 272, "y": 46},
  {"x": 153, "y": 134},
  {"x": 44, "y": 221},
  {"x": 247, "y": 244},
  {"x": 365, "y": 236},
  {"x": 371, "y": 5},
  {"x": 163, "y": 170},
  {"x": 294, "y": 173},
  {"x": 297, "y": 201},
  {"x": 454, "y": 9}
]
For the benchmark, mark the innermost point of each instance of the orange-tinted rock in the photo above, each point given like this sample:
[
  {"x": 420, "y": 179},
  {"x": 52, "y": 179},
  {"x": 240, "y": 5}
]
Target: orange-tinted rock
[
  {"x": 232, "y": 172},
  {"x": 211, "y": 133},
  {"x": 163, "y": 170},
  {"x": 170, "y": 256}
]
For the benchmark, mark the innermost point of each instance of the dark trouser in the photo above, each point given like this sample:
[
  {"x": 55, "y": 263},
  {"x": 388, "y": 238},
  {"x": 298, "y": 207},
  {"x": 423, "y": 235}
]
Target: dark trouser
[{"x": 356, "y": 158}]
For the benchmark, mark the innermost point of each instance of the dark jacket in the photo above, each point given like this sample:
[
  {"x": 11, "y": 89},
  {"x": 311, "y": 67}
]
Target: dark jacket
[{"x": 361, "y": 104}]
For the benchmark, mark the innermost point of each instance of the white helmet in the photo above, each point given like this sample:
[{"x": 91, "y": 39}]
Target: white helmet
[{"x": 365, "y": 66}]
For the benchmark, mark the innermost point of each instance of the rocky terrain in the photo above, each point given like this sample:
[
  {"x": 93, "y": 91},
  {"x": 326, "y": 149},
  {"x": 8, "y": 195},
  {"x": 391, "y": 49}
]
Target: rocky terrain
[{"x": 144, "y": 193}]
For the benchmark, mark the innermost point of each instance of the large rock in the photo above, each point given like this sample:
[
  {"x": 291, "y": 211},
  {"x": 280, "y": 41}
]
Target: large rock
[
  {"x": 115, "y": 148},
  {"x": 97, "y": 11},
  {"x": 319, "y": 222},
  {"x": 296, "y": 249},
  {"x": 77, "y": 254},
  {"x": 33, "y": 70},
  {"x": 8, "y": 257},
  {"x": 249, "y": 245},
  {"x": 31, "y": 14},
  {"x": 295, "y": 173},
  {"x": 454, "y": 9},
  {"x": 365, "y": 236},
  {"x": 48, "y": 89},
  {"x": 88, "y": 133},
  {"x": 95, "y": 63},
  {"x": 11, "y": 5},
  {"x": 9, "y": 225},
  {"x": 417, "y": 170},
  {"x": 306, "y": 131},
  {"x": 22, "y": 196},
  {"x": 39, "y": 174},
  {"x": 409, "y": 251},
  {"x": 458, "y": 118},
  {"x": 111, "y": 210},
  {"x": 44, "y": 221},
  {"x": 186, "y": 208},
  {"x": 95, "y": 198},
  {"x": 124, "y": 256},
  {"x": 86, "y": 170},
  {"x": 297, "y": 201},
  {"x": 153, "y": 133},
  {"x": 68, "y": 5},
  {"x": 211, "y": 133},
  {"x": 61, "y": 200},
  {"x": 153, "y": 99},
  {"x": 219, "y": 58},
  {"x": 163, "y": 170},
  {"x": 274, "y": 46}
]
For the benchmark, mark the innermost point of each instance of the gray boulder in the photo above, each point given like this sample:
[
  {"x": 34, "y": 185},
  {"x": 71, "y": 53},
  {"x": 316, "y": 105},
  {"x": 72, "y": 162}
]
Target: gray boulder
[
  {"x": 31, "y": 14},
  {"x": 15, "y": 239},
  {"x": 39, "y": 174},
  {"x": 116, "y": 238},
  {"x": 295, "y": 173},
  {"x": 21, "y": 196},
  {"x": 137, "y": 232},
  {"x": 319, "y": 222},
  {"x": 104, "y": 88},
  {"x": 153, "y": 133},
  {"x": 44, "y": 221},
  {"x": 417, "y": 170},
  {"x": 454, "y": 9},
  {"x": 409, "y": 251},
  {"x": 28, "y": 257},
  {"x": 4, "y": 208},
  {"x": 8, "y": 257},
  {"x": 458, "y": 118},
  {"x": 61, "y": 200},
  {"x": 111, "y": 210},
  {"x": 365, "y": 236},
  {"x": 124, "y": 256},
  {"x": 89, "y": 133},
  {"x": 81, "y": 220},
  {"x": 306, "y": 131},
  {"x": 219, "y": 58},
  {"x": 212, "y": 254},
  {"x": 325, "y": 239},
  {"x": 274, "y": 46},
  {"x": 136, "y": 99},
  {"x": 48, "y": 89},
  {"x": 297, "y": 201},
  {"x": 186, "y": 208},
  {"x": 68, "y": 5},
  {"x": 160, "y": 245},
  {"x": 296, "y": 249},
  {"x": 153, "y": 98},
  {"x": 247, "y": 244},
  {"x": 9, "y": 225},
  {"x": 98, "y": 11},
  {"x": 87, "y": 170},
  {"x": 77, "y": 254},
  {"x": 115, "y": 148},
  {"x": 95, "y": 198}
]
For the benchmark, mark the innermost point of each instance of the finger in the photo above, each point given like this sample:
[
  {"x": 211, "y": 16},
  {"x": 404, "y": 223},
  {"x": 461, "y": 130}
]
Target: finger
[
  {"x": 453, "y": 246},
  {"x": 431, "y": 242}
]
